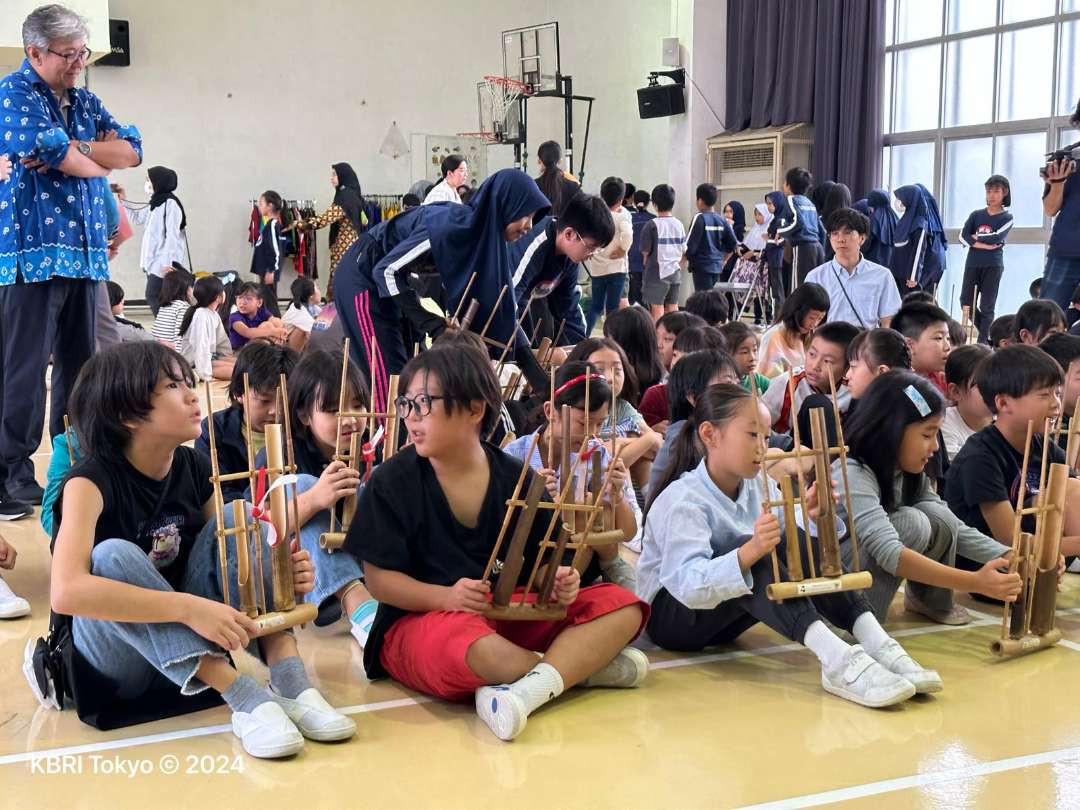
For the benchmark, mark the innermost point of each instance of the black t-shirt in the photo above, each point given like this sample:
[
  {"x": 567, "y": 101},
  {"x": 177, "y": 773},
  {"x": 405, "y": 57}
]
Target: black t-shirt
[
  {"x": 987, "y": 470},
  {"x": 403, "y": 523},
  {"x": 163, "y": 518}
]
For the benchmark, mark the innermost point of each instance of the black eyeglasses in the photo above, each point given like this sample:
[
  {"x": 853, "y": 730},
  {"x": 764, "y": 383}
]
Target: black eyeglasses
[
  {"x": 420, "y": 405},
  {"x": 74, "y": 56}
]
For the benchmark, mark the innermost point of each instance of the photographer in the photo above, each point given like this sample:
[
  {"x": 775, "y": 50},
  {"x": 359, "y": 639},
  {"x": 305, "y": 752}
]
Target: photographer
[{"x": 1061, "y": 199}]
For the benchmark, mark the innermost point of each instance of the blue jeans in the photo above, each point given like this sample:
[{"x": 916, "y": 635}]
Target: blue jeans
[
  {"x": 1060, "y": 278},
  {"x": 139, "y": 656},
  {"x": 606, "y": 292}
]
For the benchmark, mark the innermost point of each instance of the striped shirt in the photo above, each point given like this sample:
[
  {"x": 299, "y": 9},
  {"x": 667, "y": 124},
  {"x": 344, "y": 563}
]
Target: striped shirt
[{"x": 167, "y": 323}]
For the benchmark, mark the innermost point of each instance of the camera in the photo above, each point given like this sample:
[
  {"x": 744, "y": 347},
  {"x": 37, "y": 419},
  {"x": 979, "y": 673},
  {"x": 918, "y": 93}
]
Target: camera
[{"x": 1070, "y": 152}]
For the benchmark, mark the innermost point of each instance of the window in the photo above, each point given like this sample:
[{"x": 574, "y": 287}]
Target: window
[{"x": 974, "y": 88}]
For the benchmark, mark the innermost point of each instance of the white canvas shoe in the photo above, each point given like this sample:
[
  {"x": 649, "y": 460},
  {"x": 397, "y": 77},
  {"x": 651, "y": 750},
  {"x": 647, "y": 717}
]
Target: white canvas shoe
[
  {"x": 897, "y": 660},
  {"x": 502, "y": 710},
  {"x": 266, "y": 732},
  {"x": 863, "y": 680},
  {"x": 315, "y": 718},
  {"x": 12, "y": 606}
]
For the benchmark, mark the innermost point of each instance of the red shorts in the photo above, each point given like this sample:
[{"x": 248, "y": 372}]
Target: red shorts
[{"x": 426, "y": 651}]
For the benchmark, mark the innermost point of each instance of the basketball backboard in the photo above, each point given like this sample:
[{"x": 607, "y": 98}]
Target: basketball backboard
[{"x": 531, "y": 55}]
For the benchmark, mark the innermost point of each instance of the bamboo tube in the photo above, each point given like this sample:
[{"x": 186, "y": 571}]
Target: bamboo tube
[
  {"x": 280, "y": 556},
  {"x": 799, "y": 453},
  {"x": 856, "y": 562},
  {"x": 1014, "y": 561},
  {"x": 244, "y": 582},
  {"x": 826, "y": 521},
  {"x": 510, "y": 509},
  {"x": 464, "y": 295},
  {"x": 219, "y": 505}
]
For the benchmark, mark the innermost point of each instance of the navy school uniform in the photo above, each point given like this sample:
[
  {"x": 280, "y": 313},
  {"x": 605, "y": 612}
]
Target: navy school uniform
[
  {"x": 231, "y": 448},
  {"x": 269, "y": 249},
  {"x": 801, "y": 228},
  {"x": 983, "y": 268},
  {"x": 539, "y": 271},
  {"x": 708, "y": 240}
]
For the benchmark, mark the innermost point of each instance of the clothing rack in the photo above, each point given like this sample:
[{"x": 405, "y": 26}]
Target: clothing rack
[{"x": 291, "y": 203}]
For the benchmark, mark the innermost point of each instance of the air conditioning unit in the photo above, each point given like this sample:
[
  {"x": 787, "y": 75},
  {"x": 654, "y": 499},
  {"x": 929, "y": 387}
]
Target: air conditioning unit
[{"x": 747, "y": 165}]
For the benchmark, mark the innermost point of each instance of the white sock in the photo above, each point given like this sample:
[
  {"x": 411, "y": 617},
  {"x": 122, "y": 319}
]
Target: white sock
[
  {"x": 539, "y": 685},
  {"x": 869, "y": 632},
  {"x": 826, "y": 645}
]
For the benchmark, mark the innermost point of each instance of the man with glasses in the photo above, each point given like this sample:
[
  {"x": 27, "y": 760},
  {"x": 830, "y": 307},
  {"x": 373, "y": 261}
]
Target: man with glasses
[
  {"x": 862, "y": 293},
  {"x": 53, "y": 233},
  {"x": 547, "y": 260}
]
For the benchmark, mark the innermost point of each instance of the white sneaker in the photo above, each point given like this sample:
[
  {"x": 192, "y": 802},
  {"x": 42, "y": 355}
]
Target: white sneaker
[
  {"x": 896, "y": 659},
  {"x": 862, "y": 680},
  {"x": 502, "y": 710},
  {"x": 267, "y": 732},
  {"x": 11, "y": 606},
  {"x": 620, "y": 573},
  {"x": 315, "y": 718},
  {"x": 627, "y": 670}
]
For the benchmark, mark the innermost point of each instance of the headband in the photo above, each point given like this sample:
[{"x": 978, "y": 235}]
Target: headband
[
  {"x": 562, "y": 389},
  {"x": 918, "y": 400}
]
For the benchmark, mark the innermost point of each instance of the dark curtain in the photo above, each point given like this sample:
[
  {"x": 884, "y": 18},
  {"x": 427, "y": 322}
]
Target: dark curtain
[{"x": 817, "y": 62}]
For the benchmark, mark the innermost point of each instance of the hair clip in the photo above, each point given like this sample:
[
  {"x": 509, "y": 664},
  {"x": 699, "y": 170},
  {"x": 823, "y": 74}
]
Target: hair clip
[
  {"x": 576, "y": 381},
  {"x": 918, "y": 400}
]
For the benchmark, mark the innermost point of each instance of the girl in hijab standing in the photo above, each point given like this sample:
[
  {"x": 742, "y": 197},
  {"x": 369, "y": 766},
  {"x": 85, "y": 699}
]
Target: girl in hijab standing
[
  {"x": 878, "y": 247},
  {"x": 164, "y": 239},
  {"x": 918, "y": 259},
  {"x": 345, "y": 217},
  {"x": 779, "y": 269},
  {"x": 451, "y": 243}
]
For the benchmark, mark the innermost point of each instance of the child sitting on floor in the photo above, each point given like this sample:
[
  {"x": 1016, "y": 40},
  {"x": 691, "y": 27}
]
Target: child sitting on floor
[
  {"x": 425, "y": 527},
  {"x": 706, "y": 561},
  {"x": 135, "y": 566}
]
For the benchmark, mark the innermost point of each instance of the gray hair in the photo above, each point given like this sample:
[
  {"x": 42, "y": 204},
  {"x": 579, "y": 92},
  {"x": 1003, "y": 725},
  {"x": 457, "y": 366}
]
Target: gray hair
[{"x": 48, "y": 23}]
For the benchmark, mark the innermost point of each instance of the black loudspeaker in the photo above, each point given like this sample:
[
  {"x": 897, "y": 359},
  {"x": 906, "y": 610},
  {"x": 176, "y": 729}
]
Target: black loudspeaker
[
  {"x": 120, "y": 46},
  {"x": 661, "y": 100}
]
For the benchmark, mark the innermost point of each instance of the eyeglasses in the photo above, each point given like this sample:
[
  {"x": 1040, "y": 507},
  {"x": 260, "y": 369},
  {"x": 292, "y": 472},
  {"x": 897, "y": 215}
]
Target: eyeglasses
[
  {"x": 590, "y": 247},
  {"x": 420, "y": 405},
  {"x": 83, "y": 54}
]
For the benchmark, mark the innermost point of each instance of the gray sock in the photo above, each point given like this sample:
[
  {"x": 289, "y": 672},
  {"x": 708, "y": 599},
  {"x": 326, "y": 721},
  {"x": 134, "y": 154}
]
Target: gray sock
[
  {"x": 288, "y": 677},
  {"x": 245, "y": 694}
]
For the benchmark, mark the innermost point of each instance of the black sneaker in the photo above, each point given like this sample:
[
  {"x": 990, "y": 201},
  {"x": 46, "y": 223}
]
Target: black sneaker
[
  {"x": 14, "y": 510},
  {"x": 29, "y": 493}
]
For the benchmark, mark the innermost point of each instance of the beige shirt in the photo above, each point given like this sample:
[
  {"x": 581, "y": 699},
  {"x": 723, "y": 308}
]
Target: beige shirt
[{"x": 601, "y": 264}]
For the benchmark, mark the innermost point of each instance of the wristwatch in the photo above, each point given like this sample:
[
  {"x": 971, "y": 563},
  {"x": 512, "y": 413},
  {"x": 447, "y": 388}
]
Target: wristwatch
[{"x": 84, "y": 148}]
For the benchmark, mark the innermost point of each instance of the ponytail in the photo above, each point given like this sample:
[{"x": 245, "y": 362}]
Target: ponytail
[
  {"x": 551, "y": 181},
  {"x": 718, "y": 404},
  {"x": 207, "y": 290}
]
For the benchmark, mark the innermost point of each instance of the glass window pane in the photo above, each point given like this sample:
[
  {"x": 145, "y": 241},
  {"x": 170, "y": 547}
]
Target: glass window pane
[
  {"x": 918, "y": 19},
  {"x": 1027, "y": 66},
  {"x": 948, "y": 291},
  {"x": 911, "y": 163},
  {"x": 1024, "y": 264},
  {"x": 1019, "y": 158},
  {"x": 918, "y": 86},
  {"x": 968, "y": 15},
  {"x": 1016, "y": 10},
  {"x": 967, "y": 81},
  {"x": 1069, "y": 80},
  {"x": 890, "y": 20},
  {"x": 886, "y": 166},
  {"x": 887, "y": 82},
  {"x": 967, "y": 164},
  {"x": 1067, "y": 136},
  {"x": 1070, "y": 5}
]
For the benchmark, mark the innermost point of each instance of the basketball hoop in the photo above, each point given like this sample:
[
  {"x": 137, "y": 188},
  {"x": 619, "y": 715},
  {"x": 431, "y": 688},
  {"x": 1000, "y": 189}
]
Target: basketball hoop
[
  {"x": 502, "y": 92},
  {"x": 483, "y": 135}
]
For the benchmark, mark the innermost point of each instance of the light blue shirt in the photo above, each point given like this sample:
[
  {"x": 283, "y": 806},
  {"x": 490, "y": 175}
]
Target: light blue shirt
[
  {"x": 520, "y": 446},
  {"x": 52, "y": 224},
  {"x": 871, "y": 288},
  {"x": 692, "y": 538}
]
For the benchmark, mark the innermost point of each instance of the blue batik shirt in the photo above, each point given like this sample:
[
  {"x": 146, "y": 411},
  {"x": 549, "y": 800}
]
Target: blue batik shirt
[{"x": 52, "y": 224}]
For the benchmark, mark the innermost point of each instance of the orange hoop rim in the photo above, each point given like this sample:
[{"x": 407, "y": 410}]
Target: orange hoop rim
[
  {"x": 483, "y": 134},
  {"x": 512, "y": 84}
]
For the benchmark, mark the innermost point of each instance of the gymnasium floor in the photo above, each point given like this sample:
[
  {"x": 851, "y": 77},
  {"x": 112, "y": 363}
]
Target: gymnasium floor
[{"x": 745, "y": 726}]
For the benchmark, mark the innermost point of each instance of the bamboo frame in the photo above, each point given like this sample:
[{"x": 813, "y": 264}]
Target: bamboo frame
[
  {"x": 357, "y": 453},
  {"x": 832, "y": 578},
  {"x": 968, "y": 317},
  {"x": 283, "y": 611},
  {"x": 1072, "y": 442},
  {"x": 69, "y": 434},
  {"x": 1027, "y": 624}
]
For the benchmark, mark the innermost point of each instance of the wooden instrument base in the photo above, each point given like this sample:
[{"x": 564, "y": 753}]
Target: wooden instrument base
[
  {"x": 779, "y": 591},
  {"x": 594, "y": 539},
  {"x": 527, "y": 612},
  {"x": 331, "y": 541},
  {"x": 1012, "y": 647},
  {"x": 284, "y": 619}
]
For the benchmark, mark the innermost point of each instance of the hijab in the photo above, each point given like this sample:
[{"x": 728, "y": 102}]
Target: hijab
[
  {"x": 781, "y": 211},
  {"x": 863, "y": 207},
  {"x": 819, "y": 193},
  {"x": 164, "y": 182},
  {"x": 883, "y": 218},
  {"x": 838, "y": 196},
  {"x": 920, "y": 212},
  {"x": 348, "y": 195},
  {"x": 755, "y": 238},
  {"x": 739, "y": 219}
]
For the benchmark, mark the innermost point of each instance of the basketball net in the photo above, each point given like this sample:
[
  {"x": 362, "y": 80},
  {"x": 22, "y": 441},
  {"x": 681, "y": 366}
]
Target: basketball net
[{"x": 503, "y": 92}]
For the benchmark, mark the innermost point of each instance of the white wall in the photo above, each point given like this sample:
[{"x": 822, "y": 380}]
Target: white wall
[
  {"x": 13, "y": 12},
  {"x": 238, "y": 98}
]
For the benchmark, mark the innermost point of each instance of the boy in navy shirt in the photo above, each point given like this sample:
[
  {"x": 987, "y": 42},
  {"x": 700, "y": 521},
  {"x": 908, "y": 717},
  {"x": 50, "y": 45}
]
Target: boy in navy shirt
[
  {"x": 638, "y": 218},
  {"x": 800, "y": 227},
  {"x": 546, "y": 261},
  {"x": 709, "y": 241},
  {"x": 984, "y": 233}
]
